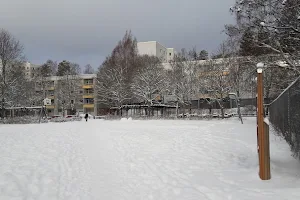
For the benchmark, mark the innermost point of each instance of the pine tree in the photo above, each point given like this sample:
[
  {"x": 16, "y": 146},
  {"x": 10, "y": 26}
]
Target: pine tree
[
  {"x": 64, "y": 68},
  {"x": 289, "y": 20},
  {"x": 247, "y": 44},
  {"x": 203, "y": 55},
  {"x": 250, "y": 44},
  {"x": 46, "y": 70}
]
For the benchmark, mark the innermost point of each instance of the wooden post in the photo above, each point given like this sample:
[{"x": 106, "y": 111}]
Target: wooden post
[
  {"x": 267, "y": 167},
  {"x": 262, "y": 133}
]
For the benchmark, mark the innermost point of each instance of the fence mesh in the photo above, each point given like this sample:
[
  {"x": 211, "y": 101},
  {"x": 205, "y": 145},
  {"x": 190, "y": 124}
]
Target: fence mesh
[{"x": 284, "y": 115}]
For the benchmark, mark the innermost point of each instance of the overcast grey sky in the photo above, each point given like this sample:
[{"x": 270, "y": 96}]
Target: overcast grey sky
[{"x": 85, "y": 31}]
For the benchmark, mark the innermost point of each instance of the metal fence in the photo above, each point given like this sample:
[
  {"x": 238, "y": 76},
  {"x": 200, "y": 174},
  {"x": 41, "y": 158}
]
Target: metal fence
[{"x": 284, "y": 114}]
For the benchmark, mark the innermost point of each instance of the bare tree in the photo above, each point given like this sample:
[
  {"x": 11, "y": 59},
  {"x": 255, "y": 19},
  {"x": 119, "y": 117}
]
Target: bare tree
[
  {"x": 183, "y": 78},
  {"x": 68, "y": 88},
  {"x": 149, "y": 81},
  {"x": 41, "y": 84},
  {"x": 88, "y": 69},
  {"x": 10, "y": 51},
  {"x": 216, "y": 81}
]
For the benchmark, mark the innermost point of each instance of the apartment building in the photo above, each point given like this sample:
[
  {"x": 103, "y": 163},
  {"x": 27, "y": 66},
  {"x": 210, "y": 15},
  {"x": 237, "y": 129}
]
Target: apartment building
[
  {"x": 30, "y": 69},
  {"x": 153, "y": 48},
  {"x": 69, "y": 95}
]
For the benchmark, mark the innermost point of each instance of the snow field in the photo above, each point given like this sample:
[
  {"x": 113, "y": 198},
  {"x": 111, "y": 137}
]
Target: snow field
[{"x": 131, "y": 159}]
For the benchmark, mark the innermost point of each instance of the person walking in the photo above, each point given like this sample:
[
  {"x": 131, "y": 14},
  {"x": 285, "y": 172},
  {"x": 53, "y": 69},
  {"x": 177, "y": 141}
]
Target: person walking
[{"x": 86, "y": 117}]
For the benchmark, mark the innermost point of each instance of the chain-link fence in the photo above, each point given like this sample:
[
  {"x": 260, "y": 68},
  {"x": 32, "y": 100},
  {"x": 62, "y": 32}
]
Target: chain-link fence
[{"x": 284, "y": 115}]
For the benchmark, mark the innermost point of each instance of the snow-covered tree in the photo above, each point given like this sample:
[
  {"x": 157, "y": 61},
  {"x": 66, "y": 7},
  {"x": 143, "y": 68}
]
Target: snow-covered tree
[
  {"x": 183, "y": 78},
  {"x": 11, "y": 51},
  {"x": 16, "y": 86},
  {"x": 115, "y": 75},
  {"x": 149, "y": 81},
  {"x": 112, "y": 86},
  {"x": 275, "y": 26}
]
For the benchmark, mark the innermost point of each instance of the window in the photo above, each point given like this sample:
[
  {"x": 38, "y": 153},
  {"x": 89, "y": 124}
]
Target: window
[
  {"x": 72, "y": 101},
  {"x": 88, "y": 101},
  {"x": 88, "y": 82},
  {"x": 51, "y": 83},
  {"x": 170, "y": 54},
  {"x": 88, "y": 91},
  {"x": 80, "y": 91}
]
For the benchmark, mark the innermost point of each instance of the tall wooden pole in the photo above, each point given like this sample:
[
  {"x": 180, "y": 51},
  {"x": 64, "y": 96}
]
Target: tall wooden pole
[{"x": 262, "y": 132}]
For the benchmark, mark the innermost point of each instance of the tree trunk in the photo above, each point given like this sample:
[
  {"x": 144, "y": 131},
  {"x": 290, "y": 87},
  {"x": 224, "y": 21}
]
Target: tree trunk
[
  {"x": 222, "y": 108},
  {"x": 177, "y": 110},
  {"x": 3, "y": 91}
]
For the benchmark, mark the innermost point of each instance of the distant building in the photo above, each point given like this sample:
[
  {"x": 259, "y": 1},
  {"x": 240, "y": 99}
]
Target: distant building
[
  {"x": 84, "y": 99},
  {"x": 153, "y": 48},
  {"x": 30, "y": 70}
]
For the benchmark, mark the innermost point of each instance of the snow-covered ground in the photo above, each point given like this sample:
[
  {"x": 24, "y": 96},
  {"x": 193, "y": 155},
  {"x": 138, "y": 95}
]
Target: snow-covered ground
[{"x": 131, "y": 160}]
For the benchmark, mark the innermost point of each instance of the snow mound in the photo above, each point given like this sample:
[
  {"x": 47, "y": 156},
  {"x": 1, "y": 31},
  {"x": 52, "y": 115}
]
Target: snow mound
[{"x": 126, "y": 119}]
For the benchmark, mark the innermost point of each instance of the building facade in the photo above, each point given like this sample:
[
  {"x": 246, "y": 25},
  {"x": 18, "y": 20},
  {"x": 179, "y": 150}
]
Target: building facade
[
  {"x": 30, "y": 70},
  {"x": 153, "y": 48},
  {"x": 70, "y": 95}
]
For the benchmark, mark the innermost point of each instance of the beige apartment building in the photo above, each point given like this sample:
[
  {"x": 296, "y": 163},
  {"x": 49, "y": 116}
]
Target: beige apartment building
[{"x": 69, "y": 95}]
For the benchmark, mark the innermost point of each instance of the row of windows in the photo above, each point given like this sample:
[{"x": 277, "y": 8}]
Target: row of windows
[{"x": 170, "y": 54}]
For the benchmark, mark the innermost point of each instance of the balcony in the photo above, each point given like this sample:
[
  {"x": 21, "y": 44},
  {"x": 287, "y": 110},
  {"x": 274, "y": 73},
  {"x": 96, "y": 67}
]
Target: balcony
[
  {"x": 50, "y": 88},
  {"x": 51, "y": 97},
  {"x": 88, "y": 96},
  {"x": 50, "y": 107},
  {"x": 88, "y": 86},
  {"x": 88, "y": 106}
]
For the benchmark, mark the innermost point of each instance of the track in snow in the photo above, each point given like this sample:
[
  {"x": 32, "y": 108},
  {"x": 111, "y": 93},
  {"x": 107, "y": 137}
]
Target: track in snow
[{"x": 42, "y": 162}]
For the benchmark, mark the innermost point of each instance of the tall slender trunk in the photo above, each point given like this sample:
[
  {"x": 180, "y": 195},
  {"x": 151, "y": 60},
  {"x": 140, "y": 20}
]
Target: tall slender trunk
[
  {"x": 222, "y": 108},
  {"x": 3, "y": 90}
]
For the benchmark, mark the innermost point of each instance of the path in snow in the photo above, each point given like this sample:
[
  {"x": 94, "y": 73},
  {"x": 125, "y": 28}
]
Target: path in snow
[{"x": 142, "y": 160}]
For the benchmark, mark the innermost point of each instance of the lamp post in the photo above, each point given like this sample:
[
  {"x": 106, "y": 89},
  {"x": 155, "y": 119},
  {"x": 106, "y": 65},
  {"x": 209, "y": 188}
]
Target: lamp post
[
  {"x": 234, "y": 96},
  {"x": 262, "y": 129}
]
